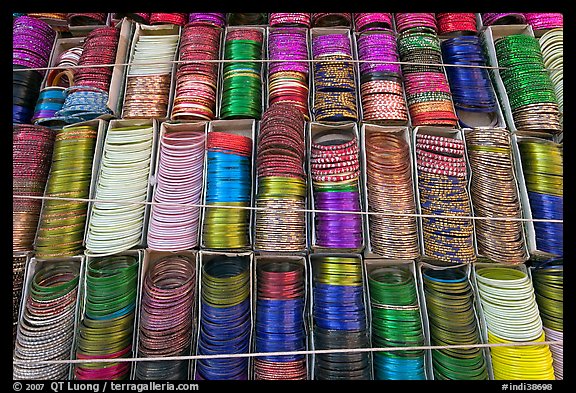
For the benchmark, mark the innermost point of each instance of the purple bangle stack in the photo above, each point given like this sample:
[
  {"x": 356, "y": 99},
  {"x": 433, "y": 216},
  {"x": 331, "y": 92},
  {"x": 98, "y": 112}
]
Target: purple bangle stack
[
  {"x": 502, "y": 18},
  {"x": 545, "y": 20},
  {"x": 173, "y": 225},
  {"x": 373, "y": 21},
  {"x": 210, "y": 18},
  {"x": 32, "y": 41},
  {"x": 409, "y": 20},
  {"x": 287, "y": 79},
  {"x": 335, "y": 168},
  {"x": 290, "y": 19}
]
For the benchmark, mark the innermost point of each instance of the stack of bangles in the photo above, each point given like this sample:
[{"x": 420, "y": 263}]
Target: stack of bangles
[
  {"x": 396, "y": 321},
  {"x": 494, "y": 193},
  {"x": 242, "y": 19},
  {"x": 427, "y": 91},
  {"x": 106, "y": 330},
  {"x": 58, "y": 21},
  {"x": 373, "y": 21},
  {"x": 452, "y": 23},
  {"x": 281, "y": 181},
  {"x": 166, "y": 318},
  {"x": 148, "y": 85},
  {"x": 502, "y": 18},
  {"x": 552, "y": 46},
  {"x": 18, "y": 267},
  {"x": 543, "y": 169},
  {"x": 548, "y": 281},
  {"x": 471, "y": 87},
  {"x": 32, "y": 148},
  {"x": 86, "y": 19},
  {"x": 339, "y": 318},
  {"x": 442, "y": 183},
  {"x": 228, "y": 183},
  {"x": 197, "y": 73},
  {"x": 290, "y": 19},
  {"x": 62, "y": 222},
  {"x": 331, "y": 19},
  {"x": 138, "y": 17},
  {"x": 530, "y": 90},
  {"x": 63, "y": 74},
  {"x": 208, "y": 18},
  {"x": 173, "y": 224},
  {"x": 176, "y": 18},
  {"x": 544, "y": 20},
  {"x": 99, "y": 49},
  {"x": 390, "y": 190},
  {"x": 50, "y": 101},
  {"x": 288, "y": 80},
  {"x": 452, "y": 320},
  {"x": 280, "y": 326},
  {"x": 81, "y": 103},
  {"x": 381, "y": 92},
  {"x": 334, "y": 80},
  {"x": 46, "y": 329},
  {"x": 335, "y": 168},
  {"x": 410, "y": 20},
  {"x": 242, "y": 80},
  {"x": 225, "y": 318},
  {"x": 511, "y": 313},
  {"x": 32, "y": 41}
]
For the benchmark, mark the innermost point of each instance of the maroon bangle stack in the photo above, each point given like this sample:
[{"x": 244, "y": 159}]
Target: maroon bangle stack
[
  {"x": 196, "y": 81},
  {"x": 450, "y": 23},
  {"x": 176, "y": 18}
]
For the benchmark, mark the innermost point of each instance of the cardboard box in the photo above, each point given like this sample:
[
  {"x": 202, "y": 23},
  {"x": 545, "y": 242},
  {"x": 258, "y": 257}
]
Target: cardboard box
[
  {"x": 151, "y": 258},
  {"x": 409, "y": 265},
  {"x": 318, "y": 131},
  {"x": 204, "y": 257},
  {"x": 128, "y": 123},
  {"x": 403, "y": 132},
  {"x": 175, "y": 127},
  {"x": 245, "y": 127}
]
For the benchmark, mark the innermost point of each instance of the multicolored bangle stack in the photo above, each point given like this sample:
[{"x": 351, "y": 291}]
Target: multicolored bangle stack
[
  {"x": 208, "y": 18},
  {"x": 339, "y": 318},
  {"x": 470, "y": 85},
  {"x": 334, "y": 80},
  {"x": 390, "y": 190},
  {"x": 148, "y": 85},
  {"x": 335, "y": 168},
  {"x": 451, "y": 23},
  {"x": 511, "y": 313},
  {"x": 197, "y": 73},
  {"x": 494, "y": 193},
  {"x": 46, "y": 330},
  {"x": 281, "y": 181},
  {"x": 175, "y": 18},
  {"x": 396, "y": 322},
  {"x": 290, "y": 19},
  {"x": 228, "y": 183},
  {"x": 106, "y": 329},
  {"x": 166, "y": 318},
  {"x": 18, "y": 269},
  {"x": 242, "y": 80},
  {"x": 32, "y": 148},
  {"x": 452, "y": 321},
  {"x": 63, "y": 74},
  {"x": 502, "y": 18},
  {"x": 50, "y": 101},
  {"x": 427, "y": 90},
  {"x": 373, "y": 21},
  {"x": 62, "y": 223},
  {"x": 225, "y": 318},
  {"x": 529, "y": 88},
  {"x": 174, "y": 224},
  {"x": 32, "y": 41},
  {"x": 544, "y": 20},
  {"x": 288, "y": 69},
  {"x": 542, "y": 166},
  {"x": 381, "y": 92},
  {"x": 280, "y": 326},
  {"x": 548, "y": 281},
  {"x": 443, "y": 191},
  {"x": 331, "y": 19}
]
